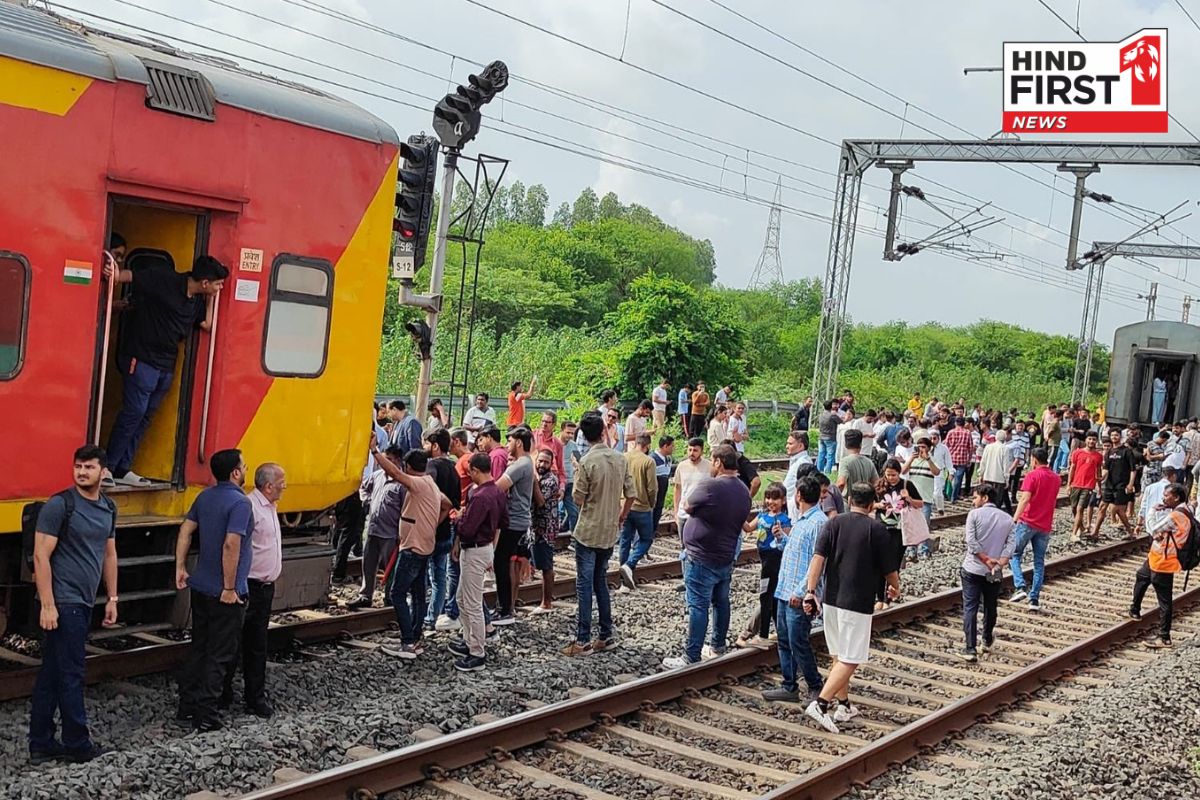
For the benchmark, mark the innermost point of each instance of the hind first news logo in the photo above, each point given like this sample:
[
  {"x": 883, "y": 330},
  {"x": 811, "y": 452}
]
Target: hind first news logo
[{"x": 1095, "y": 87}]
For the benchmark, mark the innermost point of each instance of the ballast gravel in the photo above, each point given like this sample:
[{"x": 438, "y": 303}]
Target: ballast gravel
[
  {"x": 1135, "y": 740},
  {"x": 328, "y": 705}
]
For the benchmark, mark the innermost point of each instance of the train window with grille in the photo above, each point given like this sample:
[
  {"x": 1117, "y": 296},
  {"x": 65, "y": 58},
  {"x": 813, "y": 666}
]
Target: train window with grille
[
  {"x": 14, "y": 312},
  {"x": 299, "y": 307}
]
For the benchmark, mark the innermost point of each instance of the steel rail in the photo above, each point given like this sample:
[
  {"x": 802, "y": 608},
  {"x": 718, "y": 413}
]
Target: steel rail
[
  {"x": 858, "y": 767},
  {"x": 120, "y": 664},
  {"x": 397, "y": 769}
]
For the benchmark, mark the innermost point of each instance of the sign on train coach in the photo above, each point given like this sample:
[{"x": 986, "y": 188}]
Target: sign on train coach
[{"x": 1087, "y": 87}]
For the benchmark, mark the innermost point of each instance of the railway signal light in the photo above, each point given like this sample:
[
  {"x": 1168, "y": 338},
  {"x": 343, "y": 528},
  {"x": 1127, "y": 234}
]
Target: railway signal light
[
  {"x": 456, "y": 118},
  {"x": 421, "y": 335},
  {"x": 414, "y": 199}
]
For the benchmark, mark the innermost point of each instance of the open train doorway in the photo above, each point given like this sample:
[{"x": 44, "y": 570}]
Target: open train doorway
[
  {"x": 155, "y": 236},
  {"x": 1154, "y": 376}
]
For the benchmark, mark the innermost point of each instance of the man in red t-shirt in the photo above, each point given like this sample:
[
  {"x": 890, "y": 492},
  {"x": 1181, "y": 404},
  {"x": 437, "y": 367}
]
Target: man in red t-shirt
[
  {"x": 1082, "y": 478},
  {"x": 1034, "y": 520}
]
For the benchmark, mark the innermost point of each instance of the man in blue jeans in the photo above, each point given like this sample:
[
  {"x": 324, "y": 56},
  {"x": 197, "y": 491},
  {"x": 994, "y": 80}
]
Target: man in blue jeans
[
  {"x": 441, "y": 468},
  {"x": 637, "y": 534},
  {"x": 1034, "y": 520},
  {"x": 717, "y": 509},
  {"x": 601, "y": 480},
  {"x": 74, "y": 543},
  {"x": 425, "y": 507},
  {"x": 792, "y": 624},
  {"x": 827, "y": 425},
  {"x": 167, "y": 306}
]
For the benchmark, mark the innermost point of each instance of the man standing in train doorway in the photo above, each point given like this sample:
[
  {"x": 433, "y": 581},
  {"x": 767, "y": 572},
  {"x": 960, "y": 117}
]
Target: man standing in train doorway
[{"x": 169, "y": 306}]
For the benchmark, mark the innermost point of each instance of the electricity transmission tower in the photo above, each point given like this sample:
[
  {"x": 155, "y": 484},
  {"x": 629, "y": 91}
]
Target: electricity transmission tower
[{"x": 770, "y": 265}]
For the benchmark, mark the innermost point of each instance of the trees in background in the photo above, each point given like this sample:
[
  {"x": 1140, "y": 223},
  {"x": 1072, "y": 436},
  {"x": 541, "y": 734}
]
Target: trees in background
[{"x": 609, "y": 295}]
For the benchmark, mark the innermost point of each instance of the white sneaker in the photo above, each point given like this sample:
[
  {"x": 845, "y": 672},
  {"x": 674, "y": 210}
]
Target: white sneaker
[
  {"x": 845, "y": 713},
  {"x": 707, "y": 653},
  {"x": 539, "y": 610},
  {"x": 822, "y": 718},
  {"x": 1018, "y": 596},
  {"x": 627, "y": 576},
  {"x": 1034, "y": 605},
  {"x": 676, "y": 662},
  {"x": 444, "y": 623},
  {"x": 131, "y": 478}
]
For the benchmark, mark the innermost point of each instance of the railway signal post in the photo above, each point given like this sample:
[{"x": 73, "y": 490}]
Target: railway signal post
[{"x": 456, "y": 120}]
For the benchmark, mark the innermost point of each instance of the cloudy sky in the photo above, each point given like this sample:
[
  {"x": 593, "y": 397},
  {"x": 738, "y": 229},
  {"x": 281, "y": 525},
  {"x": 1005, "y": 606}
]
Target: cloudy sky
[{"x": 622, "y": 108}]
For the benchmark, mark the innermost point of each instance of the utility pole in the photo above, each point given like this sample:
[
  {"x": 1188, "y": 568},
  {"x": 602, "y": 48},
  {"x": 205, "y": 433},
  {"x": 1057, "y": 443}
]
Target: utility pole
[
  {"x": 1187, "y": 306},
  {"x": 434, "y": 306},
  {"x": 770, "y": 265},
  {"x": 1151, "y": 298},
  {"x": 1081, "y": 172},
  {"x": 897, "y": 168}
]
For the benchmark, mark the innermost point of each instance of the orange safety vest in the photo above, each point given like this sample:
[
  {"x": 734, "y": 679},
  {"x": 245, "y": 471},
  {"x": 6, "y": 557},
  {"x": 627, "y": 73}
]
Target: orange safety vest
[{"x": 1164, "y": 552}]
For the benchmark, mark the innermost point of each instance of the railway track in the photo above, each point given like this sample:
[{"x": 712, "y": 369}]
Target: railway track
[
  {"x": 144, "y": 652},
  {"x": 703, "y": 731}
]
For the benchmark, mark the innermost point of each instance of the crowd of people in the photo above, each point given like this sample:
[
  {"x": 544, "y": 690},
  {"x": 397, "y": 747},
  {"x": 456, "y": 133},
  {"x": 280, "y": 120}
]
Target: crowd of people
[{"x": 442, "y": 507}]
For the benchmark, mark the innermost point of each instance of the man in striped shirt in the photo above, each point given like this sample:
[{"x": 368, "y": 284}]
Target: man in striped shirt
[
  {"x": 792, "y": 624},
  {"x": 962, "y": 452},
  {"x": 1018, "y": 448}
]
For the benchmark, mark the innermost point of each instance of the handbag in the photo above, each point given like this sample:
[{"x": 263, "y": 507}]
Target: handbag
[{"x": 913, "y": 527}]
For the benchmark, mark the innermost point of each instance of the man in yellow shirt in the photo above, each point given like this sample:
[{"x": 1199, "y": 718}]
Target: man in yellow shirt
[{"x": 914, "y": 405}]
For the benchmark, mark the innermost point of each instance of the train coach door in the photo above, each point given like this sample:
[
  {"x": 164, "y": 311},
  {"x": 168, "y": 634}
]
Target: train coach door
[{"x": 155, "y": 234}]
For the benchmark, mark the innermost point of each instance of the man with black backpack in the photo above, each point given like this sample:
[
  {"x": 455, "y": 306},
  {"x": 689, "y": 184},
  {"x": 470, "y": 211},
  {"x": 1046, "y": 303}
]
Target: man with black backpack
[
  {"x": 1173, "y": 548},
  {"x": 74, "y": 542}
]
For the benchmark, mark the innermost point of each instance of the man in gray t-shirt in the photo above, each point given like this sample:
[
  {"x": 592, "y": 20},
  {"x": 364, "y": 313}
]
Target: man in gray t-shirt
[
  {"x": 69, "y": 555},
  {"x": 854, "y": 467},
  {"x": 517, "y": 481}
]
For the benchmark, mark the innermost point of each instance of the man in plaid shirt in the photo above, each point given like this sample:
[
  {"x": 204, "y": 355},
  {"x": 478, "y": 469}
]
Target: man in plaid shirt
[{"x": 962, "y": 451}]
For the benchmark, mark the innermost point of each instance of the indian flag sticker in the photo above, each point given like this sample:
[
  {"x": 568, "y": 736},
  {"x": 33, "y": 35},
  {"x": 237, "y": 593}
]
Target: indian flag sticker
[{"x": 77, "y": 272}]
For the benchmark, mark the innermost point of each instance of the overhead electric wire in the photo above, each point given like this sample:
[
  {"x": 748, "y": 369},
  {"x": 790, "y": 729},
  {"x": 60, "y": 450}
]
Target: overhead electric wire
[
  {"x": 662, "y": 4},
  {"x": 268, "y": 20},
  {"x": 774, "y": 120},
  {"x": 647, "y": 169},
  {"x": 316, "y": 7},
  {"x": 1083, "y": 38},
  {"x": 1188, "y": 14}
]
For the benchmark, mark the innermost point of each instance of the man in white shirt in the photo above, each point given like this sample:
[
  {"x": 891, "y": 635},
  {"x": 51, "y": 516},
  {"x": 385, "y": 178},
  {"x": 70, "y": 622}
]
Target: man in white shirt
[
  {"x": 797, "y": 450},
  {"x": 1152, "y": 497},
  {"x": 635, "y": 424},
  {"x": 266, "y": 563},
  {"x": 660, "y": 398},
  {"x": 996, "y": 465},
  {"x": 690, "y": 472},
  {"x": 478, "y": 417},
  {"x": 866, "y": 424},
  {"x": 737, "y": 427}
]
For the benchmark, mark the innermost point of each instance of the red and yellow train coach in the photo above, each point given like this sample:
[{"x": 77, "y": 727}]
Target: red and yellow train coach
[{"x": 291, "y": 188}]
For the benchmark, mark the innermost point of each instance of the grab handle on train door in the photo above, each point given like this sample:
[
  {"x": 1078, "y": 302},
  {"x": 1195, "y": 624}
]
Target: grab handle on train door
[
  {"x": 108, "y": 310},
  {"x": 212, "y": 349}
]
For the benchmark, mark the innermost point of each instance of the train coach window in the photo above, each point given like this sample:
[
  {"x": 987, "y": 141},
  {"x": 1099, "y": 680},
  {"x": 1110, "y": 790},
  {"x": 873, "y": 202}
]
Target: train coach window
[
  {"x": 296, "y": 336},
  {"x": 14, "y": 312}
]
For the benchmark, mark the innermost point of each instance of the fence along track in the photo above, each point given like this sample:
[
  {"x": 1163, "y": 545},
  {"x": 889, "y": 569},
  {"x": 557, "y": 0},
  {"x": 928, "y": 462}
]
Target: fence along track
[{"x": 913, "y": 693}]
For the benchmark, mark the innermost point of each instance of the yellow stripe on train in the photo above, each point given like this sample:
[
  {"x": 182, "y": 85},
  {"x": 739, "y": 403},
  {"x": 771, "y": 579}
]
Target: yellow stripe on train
[{"x": 39, "y": 88}]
